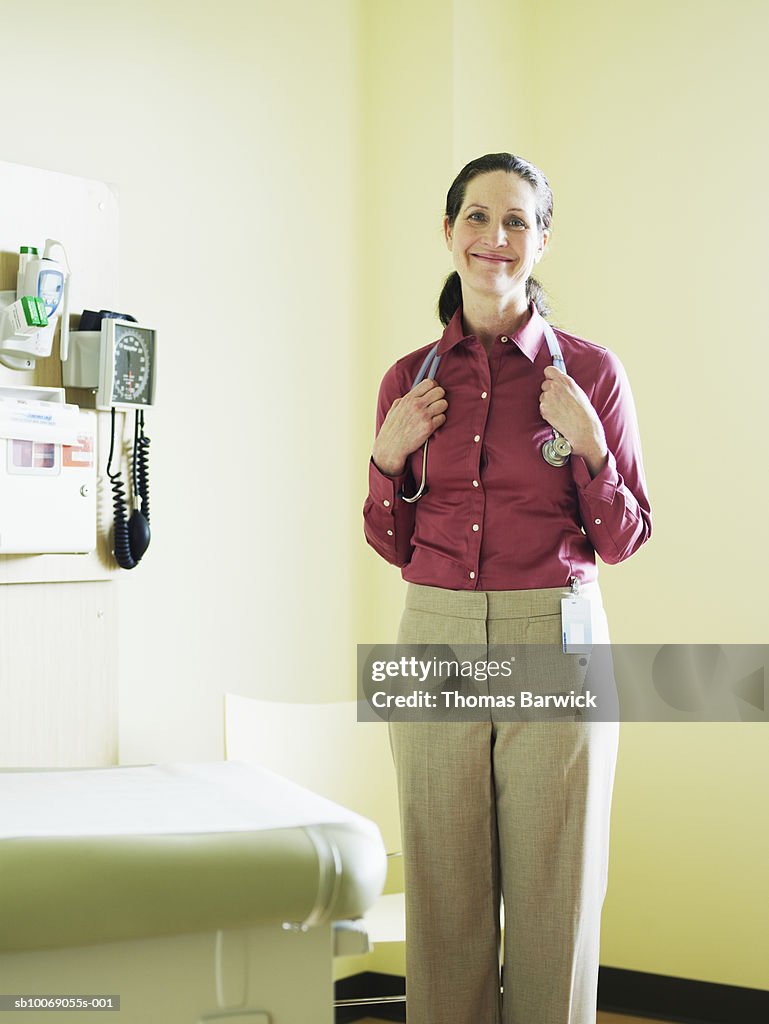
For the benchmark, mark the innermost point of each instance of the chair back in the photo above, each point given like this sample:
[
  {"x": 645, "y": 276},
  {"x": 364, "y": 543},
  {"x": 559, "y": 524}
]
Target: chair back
[{"x": 324, "y": 748}]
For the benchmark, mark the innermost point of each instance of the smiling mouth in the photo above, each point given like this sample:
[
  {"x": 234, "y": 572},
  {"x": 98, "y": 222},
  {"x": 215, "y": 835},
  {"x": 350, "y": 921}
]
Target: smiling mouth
[{"x": 491, "y": 259}]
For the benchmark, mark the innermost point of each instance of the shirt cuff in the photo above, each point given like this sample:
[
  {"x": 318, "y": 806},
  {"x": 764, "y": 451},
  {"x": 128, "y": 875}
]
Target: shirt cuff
[
  {"x": 602, "y": 487},
  {"x": 383, "y": 489}
]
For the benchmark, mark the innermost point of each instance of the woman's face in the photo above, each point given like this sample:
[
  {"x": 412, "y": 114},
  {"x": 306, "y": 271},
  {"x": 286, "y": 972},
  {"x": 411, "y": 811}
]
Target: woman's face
[{"x": 495, "y": 241}]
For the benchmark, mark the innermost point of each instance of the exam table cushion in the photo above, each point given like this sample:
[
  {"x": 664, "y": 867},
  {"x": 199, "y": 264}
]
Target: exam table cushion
[{"x": 108, "y": 854}]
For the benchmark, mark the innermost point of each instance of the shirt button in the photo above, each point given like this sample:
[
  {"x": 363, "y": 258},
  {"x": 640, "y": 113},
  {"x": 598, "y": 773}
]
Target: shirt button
[
  {"x": 472, "y": 575},
  {"x": 389, "y": 533},
  {"x": 597, "y": 522},
  {"x": 475, "y": 483},
  {"x": 386, "y": 503},
  {"x": 504, "y": 339},
  {"x": 477, "y": 438},
  {"x": 476, "y": 527},
  {"x": 484, "y": 394}
]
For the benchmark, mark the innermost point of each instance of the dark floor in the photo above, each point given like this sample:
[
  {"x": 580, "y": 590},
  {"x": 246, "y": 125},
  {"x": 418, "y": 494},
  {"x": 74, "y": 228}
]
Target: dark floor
[{"x": 603, "y": 1018}]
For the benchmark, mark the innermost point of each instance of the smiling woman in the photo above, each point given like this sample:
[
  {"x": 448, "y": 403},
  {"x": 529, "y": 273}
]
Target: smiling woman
[
  {"x": 496, "y": 245},
  {"x": 494, "y": 809},
  {"x": 531, "y": 213}
]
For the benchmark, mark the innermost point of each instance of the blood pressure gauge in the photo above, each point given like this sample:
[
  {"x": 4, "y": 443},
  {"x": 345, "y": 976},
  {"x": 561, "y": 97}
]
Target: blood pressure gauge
[{"x": 127, "y": 365}]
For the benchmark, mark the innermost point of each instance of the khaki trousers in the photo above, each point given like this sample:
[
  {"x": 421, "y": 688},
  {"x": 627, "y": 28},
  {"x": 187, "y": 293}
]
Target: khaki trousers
[{"x": 512, "y": 809}]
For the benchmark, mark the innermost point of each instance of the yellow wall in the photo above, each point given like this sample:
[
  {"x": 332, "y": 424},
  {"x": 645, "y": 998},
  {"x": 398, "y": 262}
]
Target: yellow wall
[
  {"x": 306, "y": 149},
  {"x": 648, "y": 121},
  {"x": 406, "y": 146}
]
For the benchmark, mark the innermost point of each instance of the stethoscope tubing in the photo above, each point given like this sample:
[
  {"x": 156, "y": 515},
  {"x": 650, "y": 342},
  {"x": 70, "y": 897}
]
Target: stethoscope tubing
[
  {"x": 555, "y": 451},
  {"x": 431, "y": 361}
]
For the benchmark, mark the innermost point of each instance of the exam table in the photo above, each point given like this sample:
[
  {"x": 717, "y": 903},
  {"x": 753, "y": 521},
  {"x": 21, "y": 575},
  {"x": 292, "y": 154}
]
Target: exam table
[{"x": 194, "y": 892}]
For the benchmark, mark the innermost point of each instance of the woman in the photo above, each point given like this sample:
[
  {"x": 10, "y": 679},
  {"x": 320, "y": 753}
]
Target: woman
[{"x": 496, "y": 540}]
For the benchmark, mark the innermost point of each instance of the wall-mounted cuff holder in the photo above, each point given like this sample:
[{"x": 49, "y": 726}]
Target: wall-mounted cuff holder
[{"x": 81, "y": 370}]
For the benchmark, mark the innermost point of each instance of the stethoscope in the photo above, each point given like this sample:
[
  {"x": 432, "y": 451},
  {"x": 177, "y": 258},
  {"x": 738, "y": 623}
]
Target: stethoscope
[{"x": 555, "y": 451}]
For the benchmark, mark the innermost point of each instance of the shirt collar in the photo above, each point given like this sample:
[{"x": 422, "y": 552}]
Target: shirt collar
[{"x": 529, "y": 338}]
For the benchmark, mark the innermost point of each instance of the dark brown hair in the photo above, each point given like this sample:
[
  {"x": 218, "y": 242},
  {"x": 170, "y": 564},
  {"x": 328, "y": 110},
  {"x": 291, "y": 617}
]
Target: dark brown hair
[{"x": 451, "y": 295}]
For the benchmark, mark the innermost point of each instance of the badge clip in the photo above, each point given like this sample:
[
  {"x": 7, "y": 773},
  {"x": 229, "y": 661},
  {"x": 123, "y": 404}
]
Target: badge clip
[{"x": 576, "y": 621}]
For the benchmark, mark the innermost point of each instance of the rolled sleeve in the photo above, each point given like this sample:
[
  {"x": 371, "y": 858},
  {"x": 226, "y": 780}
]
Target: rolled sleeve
[
  {"x": 614, "y": 505},
  {"x": 383, "y": 489},
  {"x": 388, "y": 521},
  {"x": 602, "y": 487}
]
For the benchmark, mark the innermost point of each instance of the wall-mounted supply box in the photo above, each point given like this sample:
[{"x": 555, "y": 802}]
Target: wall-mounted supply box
[{"x": 47, "y": 473}]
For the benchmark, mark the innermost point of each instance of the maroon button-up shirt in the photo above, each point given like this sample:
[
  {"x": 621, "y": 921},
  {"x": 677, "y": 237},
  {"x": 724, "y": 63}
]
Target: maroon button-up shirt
[{"x": 496, "y": 516}]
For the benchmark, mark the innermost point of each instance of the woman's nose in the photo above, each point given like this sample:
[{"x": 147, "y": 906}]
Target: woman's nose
[{"x": 498, "y": 234}]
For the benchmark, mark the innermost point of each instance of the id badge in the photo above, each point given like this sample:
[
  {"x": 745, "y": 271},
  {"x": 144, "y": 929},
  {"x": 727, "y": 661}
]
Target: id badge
[{"x": 577, "y": 625}]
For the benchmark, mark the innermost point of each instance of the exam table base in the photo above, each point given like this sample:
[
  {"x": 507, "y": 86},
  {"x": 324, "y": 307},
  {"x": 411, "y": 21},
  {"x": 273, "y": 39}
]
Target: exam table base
[{"x": 264, "y": 975}]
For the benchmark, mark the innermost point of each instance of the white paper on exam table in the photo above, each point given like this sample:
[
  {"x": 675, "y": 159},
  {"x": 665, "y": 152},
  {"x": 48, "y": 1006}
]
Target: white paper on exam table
[{"x": 160, "y": 800}]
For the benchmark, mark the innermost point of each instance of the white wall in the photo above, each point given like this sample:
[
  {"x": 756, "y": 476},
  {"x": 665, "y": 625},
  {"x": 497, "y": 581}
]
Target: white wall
[{"x": 230, "y": 132}]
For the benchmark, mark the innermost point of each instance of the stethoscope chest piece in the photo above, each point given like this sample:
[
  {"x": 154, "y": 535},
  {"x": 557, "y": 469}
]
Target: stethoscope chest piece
[{"x": 556, "y": 450}]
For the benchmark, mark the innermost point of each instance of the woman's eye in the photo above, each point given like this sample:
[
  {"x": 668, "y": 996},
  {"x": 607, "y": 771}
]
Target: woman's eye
[{"x": 513, "y": 222}]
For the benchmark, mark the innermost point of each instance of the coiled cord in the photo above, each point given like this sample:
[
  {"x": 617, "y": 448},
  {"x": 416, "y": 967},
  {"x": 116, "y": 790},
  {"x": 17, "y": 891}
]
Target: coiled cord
[
  {"x": 141, "y": 464},
  {"x": 131, "y": 536}
]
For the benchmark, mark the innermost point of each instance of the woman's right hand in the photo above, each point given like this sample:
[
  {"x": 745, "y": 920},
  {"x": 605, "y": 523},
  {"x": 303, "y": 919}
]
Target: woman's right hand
[{"x": 409, "y": 422}]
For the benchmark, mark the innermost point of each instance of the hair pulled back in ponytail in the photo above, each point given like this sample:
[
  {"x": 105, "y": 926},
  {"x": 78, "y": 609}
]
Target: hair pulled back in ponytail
[
  {"x": 450, "y": 298},
  {"x": 451, "y": 295}
]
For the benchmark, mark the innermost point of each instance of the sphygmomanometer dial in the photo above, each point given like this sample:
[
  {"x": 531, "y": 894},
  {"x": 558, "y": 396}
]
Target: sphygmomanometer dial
[
  {"x": 132, "y": 368},
  {"x": 133, "y": 364}
]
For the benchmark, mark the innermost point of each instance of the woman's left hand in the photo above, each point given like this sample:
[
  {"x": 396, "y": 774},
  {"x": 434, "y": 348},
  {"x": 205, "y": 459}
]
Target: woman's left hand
[{"x": 566, "y": 407}]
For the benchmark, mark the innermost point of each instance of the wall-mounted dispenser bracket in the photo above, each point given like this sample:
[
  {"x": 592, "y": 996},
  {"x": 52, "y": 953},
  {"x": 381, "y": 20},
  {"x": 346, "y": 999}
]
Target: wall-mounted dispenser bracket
[{"x": 25, "y": 331}]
